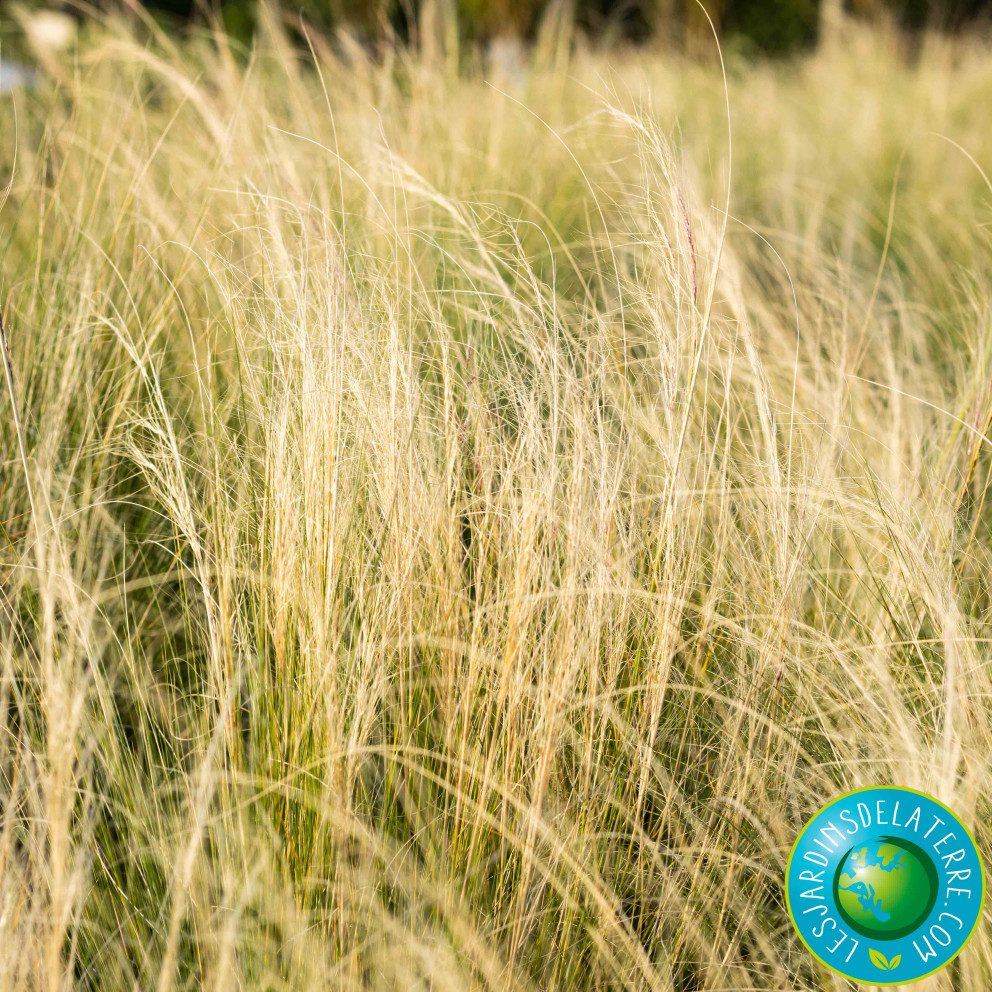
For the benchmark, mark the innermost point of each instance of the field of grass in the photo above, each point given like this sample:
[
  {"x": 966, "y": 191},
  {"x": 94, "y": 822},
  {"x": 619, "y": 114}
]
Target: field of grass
[{"x": 461, "y": 524}]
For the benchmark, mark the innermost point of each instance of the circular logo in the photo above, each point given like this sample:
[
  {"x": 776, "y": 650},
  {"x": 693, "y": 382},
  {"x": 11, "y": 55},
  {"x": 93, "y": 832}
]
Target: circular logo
[{"x": 885, "y": 885}]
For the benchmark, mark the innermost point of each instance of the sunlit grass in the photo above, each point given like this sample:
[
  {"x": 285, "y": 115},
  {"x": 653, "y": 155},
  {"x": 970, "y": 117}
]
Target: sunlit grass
[{"x": 462, "y": 553}]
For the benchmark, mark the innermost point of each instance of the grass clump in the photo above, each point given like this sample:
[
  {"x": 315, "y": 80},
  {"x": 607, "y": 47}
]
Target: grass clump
[{"x": 464, "y": 550}]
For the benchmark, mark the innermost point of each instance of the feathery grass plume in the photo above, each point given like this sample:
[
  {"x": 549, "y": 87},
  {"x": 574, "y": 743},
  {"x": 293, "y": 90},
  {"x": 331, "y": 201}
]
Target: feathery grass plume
[{"x": 441, "y": 573}]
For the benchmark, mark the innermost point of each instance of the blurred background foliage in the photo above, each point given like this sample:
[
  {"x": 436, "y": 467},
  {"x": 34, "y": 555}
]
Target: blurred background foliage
[{"x": 772, "y": 27}]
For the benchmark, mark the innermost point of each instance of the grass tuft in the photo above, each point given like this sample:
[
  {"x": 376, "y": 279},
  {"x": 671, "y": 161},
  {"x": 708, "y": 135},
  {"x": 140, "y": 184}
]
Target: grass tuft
[{"x": 439, "y": 549}]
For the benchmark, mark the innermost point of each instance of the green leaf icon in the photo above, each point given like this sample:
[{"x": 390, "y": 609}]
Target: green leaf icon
[
  {"x": 878, "y": 959},
  {"x": 894, "y": 962}
]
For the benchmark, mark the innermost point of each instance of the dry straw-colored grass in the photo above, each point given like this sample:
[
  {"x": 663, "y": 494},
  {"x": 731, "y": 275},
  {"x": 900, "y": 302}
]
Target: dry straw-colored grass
[{"x": 463, "y": 553}]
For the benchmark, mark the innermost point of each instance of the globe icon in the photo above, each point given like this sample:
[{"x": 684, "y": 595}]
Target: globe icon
[{"x": 885, "y": 888}]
